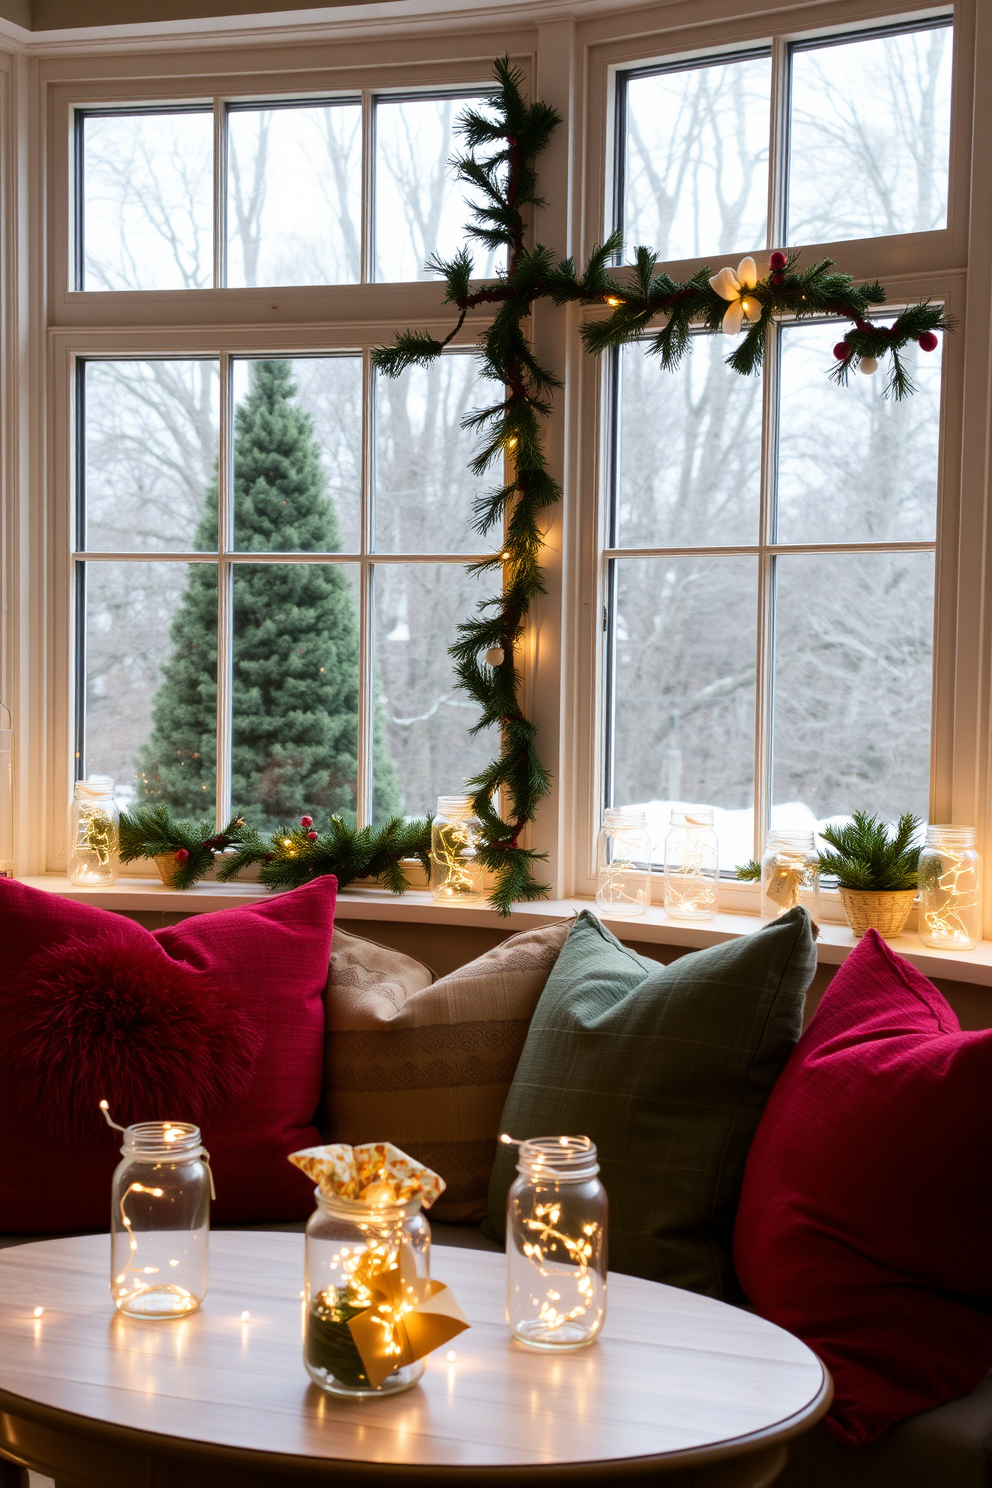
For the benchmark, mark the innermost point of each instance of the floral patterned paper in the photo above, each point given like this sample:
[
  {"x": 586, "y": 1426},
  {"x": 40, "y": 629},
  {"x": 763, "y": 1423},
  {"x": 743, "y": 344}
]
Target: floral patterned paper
[{"x": 374, "y": 1173}]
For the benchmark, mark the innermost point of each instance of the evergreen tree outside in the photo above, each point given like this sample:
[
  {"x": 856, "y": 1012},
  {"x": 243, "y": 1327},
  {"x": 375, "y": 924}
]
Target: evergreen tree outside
[{"x": 296, "y": 641}]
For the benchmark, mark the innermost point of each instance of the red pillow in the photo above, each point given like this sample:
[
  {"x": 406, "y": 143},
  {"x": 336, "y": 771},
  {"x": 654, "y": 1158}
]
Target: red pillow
[
  {"x": 230, "y": 1003},
  {"x": 865, "y": 1221}
]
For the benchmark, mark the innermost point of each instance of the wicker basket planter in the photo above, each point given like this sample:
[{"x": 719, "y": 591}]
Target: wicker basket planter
[
  {"x": 886, "y": 912},
  {"x": 166, "y": 865}
]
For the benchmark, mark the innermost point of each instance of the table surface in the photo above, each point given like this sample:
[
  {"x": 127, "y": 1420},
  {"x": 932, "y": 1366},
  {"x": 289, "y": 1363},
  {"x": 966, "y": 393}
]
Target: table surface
[{"x": 673, "y": 1374}]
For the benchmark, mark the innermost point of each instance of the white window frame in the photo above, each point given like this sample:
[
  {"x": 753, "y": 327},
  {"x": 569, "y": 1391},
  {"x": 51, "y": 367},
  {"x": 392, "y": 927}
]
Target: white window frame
[{"x": 572, "y": 63}]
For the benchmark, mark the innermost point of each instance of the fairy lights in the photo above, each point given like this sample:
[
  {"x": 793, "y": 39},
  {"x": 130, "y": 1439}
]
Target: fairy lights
[
  {"x": 692, "y": 864},
  {"x": 950, "y": 878},
  {"x": 456, "y": 871},
  {"x": 623, "y": 863},
  {"x": 556, "y": 1244}
]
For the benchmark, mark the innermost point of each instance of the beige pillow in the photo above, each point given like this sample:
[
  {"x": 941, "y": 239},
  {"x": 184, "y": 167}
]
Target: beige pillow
[{"x": 427, "y": 1065}]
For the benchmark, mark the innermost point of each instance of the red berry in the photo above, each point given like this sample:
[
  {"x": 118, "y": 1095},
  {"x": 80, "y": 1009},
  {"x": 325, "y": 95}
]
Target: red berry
[
  {"x": 928, "y": 341},
  {"x": 306, "y": 821},
  {"x": 311, "y": 836},
  {"x": 778, "y": 278},
  {"x": 182, "y": 856},
  {"x": 779, "y": 259},
  {"x": 842, "y": 351}
]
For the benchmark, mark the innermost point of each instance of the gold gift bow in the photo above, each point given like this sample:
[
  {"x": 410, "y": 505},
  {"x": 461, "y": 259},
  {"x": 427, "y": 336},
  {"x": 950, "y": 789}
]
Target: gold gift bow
[{"x": 395, "y": 1329}]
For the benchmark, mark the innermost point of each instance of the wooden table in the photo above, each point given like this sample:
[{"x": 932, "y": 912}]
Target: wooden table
[{"x": 677, "y": 1384}]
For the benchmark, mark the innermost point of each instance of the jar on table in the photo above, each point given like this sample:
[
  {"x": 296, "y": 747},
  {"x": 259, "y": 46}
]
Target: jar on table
[
  {"x": 556, "y": 1214},
  {"x": 160, "y": 1221},
  {"x": 94, "y": 833},
  {"x": 623, "y": 863},
  {"x": 950, "y": 880},
  {"x": 349, "y": 1245},
  {"x": 692, "y": 864},
  {"x": 790, "y": 875},
  {"x": 457, "y": 875}
]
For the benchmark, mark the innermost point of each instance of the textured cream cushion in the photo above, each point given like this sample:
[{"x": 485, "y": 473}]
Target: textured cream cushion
[{"x": 427, "y": 1065}]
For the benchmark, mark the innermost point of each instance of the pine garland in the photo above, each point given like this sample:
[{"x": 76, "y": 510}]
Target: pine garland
[
  {"x": 296, "y": 855},
  {"x": 153, "y": 832},
  {"x": 499, "y": 163}
]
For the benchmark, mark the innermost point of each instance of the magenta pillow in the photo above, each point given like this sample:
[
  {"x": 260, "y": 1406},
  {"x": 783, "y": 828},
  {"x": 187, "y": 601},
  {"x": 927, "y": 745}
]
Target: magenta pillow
[
  {"x": 218, "y": 1020},
  {"x": 865, "y": 1221}
]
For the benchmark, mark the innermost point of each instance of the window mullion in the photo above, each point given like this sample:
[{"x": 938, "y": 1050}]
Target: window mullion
[
  {"x": 368, "y": 184},
  {"x": 765, "y": 629},
  {"x": 225, "y": 595},
  {"x": 366, "y": 597},
  {"x": 778, "y": 145},
  {"x": 220, "y": 194}
]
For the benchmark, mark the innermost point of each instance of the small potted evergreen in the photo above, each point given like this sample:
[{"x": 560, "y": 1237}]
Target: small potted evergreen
[{"x": 876, "y": 873}]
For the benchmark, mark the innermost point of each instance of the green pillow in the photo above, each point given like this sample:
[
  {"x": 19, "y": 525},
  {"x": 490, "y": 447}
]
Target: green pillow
[{"x": 667, "y": 1069}]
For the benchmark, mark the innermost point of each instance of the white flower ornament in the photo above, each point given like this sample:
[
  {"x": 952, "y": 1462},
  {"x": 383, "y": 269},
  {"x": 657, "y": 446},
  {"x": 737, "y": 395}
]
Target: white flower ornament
[{"x": 734, "y": 287}]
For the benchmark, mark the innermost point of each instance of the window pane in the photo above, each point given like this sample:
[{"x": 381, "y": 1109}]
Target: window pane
[
  {"x": 147, "y": 207},
  {"x": 424, "y": 489},
  {"x": 853, "y": 655},
  {"x": 295, "y": 692},
  {"x": 683, "y": 727},
  {"x": 870, "y": 134},
  {"x": 151, "y": 682},
  {"x": 294, "y": 195},
  {"x": 875, "y": 481},
  {"x": 423, "y": 745},
  {"x": 689, "y": 468},
  {"x": 150, "y": 469},
  {"x": 298, "y": 455},
  {"x": 420, "y": 208},
  {"x": 696, "y": 159}
]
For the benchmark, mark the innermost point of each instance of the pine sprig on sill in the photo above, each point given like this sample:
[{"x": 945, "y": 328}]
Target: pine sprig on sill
[
  {"x": 288, "y": 858},
  {"x": 153, "y": 832},
  {"x": 865, "y": 856}
]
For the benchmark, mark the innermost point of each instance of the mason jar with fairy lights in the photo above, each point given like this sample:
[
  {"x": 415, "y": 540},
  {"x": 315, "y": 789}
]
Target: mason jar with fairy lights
[
  {"x": 950, "y": 881},
  {"x": 790, "y": 874},
  {"x": 556, "y": 1214},
  {"x": 94, "y": 833},
  {"x": 160, "y": 1220},
  {"x": 623, "y": 862},
  {"x": 692, "y": 864},
  {"x": 457, "y": 875}
]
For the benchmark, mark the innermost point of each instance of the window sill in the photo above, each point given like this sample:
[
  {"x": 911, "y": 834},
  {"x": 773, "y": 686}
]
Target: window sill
[{"x": 652, "y": 928}]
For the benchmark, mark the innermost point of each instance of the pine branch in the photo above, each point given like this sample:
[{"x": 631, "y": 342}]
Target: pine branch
[{"x": 153, "y": 832}]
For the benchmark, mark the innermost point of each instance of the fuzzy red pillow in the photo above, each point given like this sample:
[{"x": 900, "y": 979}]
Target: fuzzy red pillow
[
  {"x": 218, "y": 1020},
  {"x": 865, "y": 1221}
]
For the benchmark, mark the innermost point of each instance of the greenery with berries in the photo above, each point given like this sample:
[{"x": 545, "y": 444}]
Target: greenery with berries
[
  {"x": 153, "y": 832},
  {"x": 294, "y": 855}
]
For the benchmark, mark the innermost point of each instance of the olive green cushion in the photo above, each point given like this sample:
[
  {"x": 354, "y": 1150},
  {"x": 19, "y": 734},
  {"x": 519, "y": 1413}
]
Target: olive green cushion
[{"x": 667, "y": 1069}]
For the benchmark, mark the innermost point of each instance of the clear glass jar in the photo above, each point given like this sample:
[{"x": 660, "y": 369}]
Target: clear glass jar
[
  {"x": 160, "y": 1221},
  {"x": 623, "y": 863},
  {"x": 790, "y": 875},
  {"x": 349, "y": 1243},
  {"x": 457, "y": 876},
  {"x": 692, "y": 864},
  {"x": 950, "y": 889},
  {"x": 556, "y": 1244},
  {"x": 94, "y": 832}
]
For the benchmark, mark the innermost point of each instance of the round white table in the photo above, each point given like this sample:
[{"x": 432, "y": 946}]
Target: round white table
[{"x": 677, "y": 1384}]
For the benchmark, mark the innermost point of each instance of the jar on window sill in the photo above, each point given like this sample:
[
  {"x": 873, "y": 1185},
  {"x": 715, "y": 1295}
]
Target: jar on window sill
[
  {"x": 950, "y": 880},
  {"x": 790, "y": 875},
  {"x": 623, "y": 863},
  {"x": 94, "y": 833},
  {"x": 457, "y": 875},
  {"x": 160, "y": 1221},
  {"x": 349, "y": 1245},
  {"x": 692, "y": 864}
]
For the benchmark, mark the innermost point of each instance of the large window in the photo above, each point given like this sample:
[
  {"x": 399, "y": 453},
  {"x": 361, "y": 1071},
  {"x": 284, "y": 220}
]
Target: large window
[
  {"x": 270, "y": 551},
  {"x": 770, "y": 553}
]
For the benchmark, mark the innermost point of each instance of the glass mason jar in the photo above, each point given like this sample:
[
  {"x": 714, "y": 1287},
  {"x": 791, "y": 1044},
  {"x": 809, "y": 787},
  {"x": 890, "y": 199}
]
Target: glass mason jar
[
  {"x": 692, "y": 864},
  {"x": 160, "y": 1221},
  {"x": 790, "y": 875},
  {"x": 950, "y": 889},
  {"x": 349, "y": 1243},
  {"x": 623, "y": 863},
  {"x": 556, "y": 1244},
  {"x": 457, "y": 876},
  {"x": 94, "y": 832}
]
